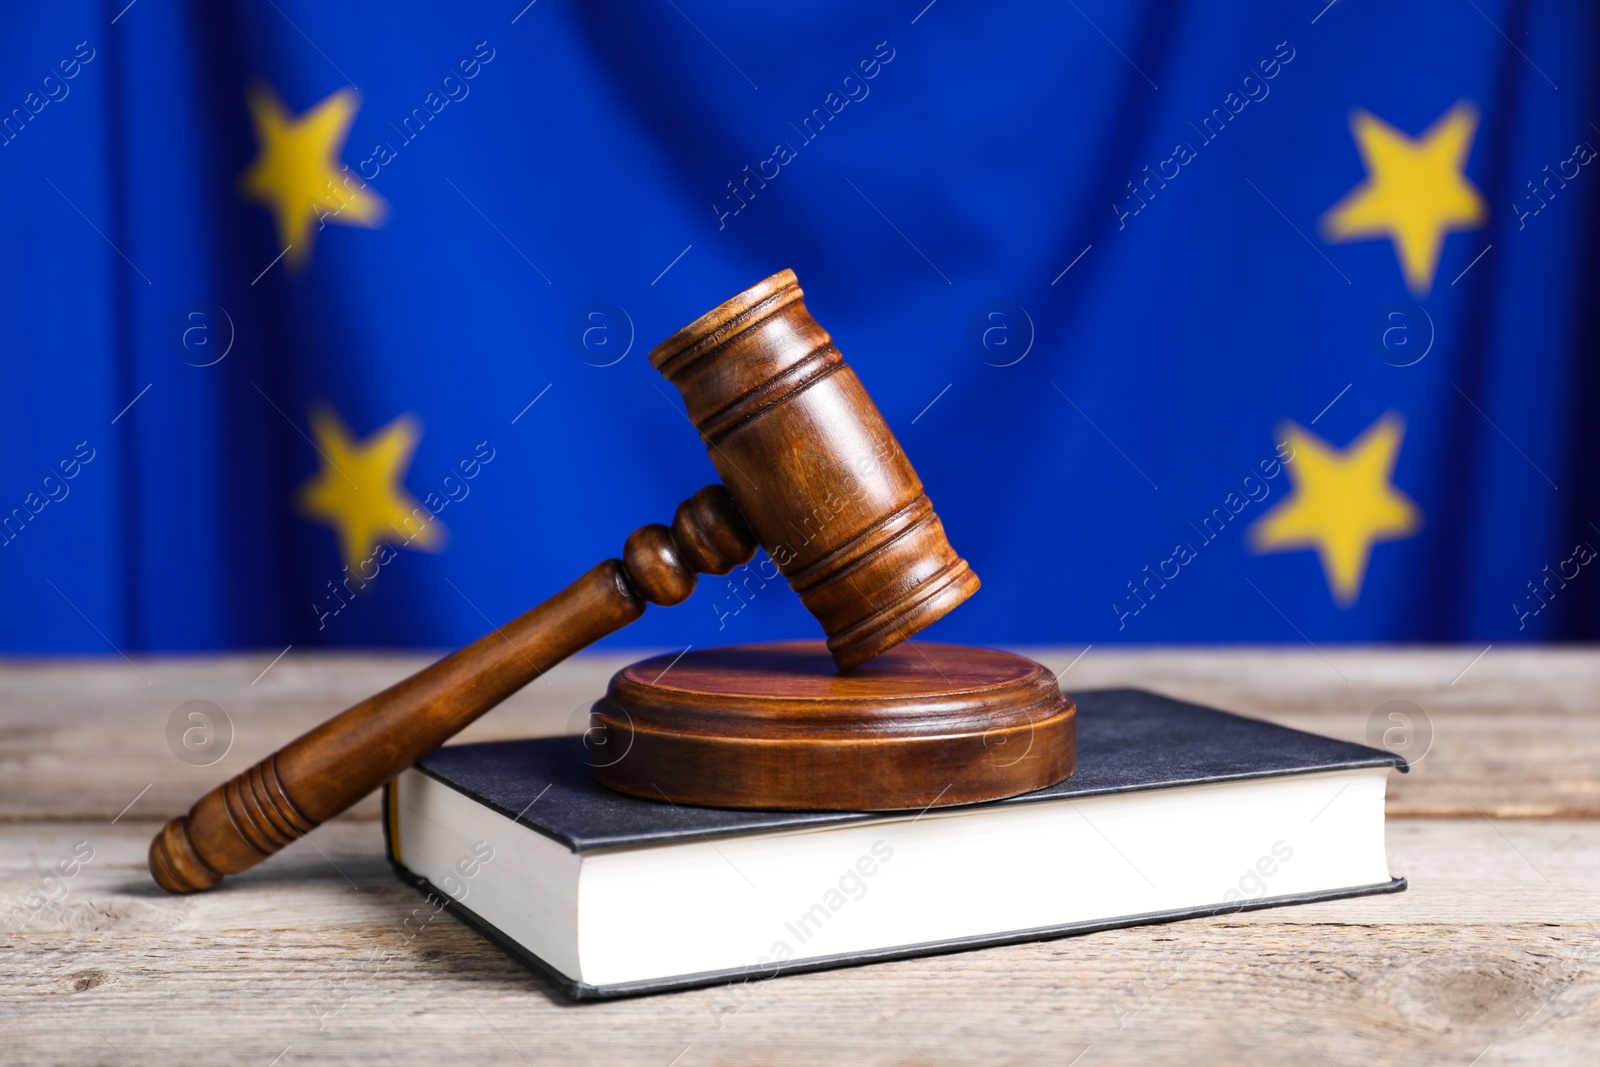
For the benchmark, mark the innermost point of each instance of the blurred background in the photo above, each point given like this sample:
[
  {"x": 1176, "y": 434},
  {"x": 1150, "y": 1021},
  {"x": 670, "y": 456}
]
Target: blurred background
[{"x": 1264, "y": 326}]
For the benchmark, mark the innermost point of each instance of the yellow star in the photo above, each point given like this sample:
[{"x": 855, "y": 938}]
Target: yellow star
[
  {"x": 360, "y": 492},
  {"x": 1343, "y": 503},
  {"x": 1415, "y": 191},
  {"x": 298, "y": 174}
]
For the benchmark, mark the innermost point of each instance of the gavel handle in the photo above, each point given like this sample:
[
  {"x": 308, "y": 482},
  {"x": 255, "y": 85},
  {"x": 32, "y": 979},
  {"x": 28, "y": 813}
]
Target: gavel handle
[{"x": 325, "y": 771}]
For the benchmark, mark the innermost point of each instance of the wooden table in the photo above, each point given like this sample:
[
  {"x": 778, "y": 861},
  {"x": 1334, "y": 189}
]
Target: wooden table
[{"x": 1490, "y": 958}]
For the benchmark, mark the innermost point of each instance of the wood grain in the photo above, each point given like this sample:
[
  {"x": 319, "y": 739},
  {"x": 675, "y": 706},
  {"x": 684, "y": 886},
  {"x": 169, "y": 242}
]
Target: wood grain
[
  {"x": 1492, "y": 953},
  {"x": 776, "y": 726},
  {"x": 311, "y": 954},
  {"x": 811, "y": 469},
  {"x": 1515, "y": 737},
  {"x": 337, "y": 763},
  {"x": 1514, "y": 729},
  {"x": 815, "y": 469}
]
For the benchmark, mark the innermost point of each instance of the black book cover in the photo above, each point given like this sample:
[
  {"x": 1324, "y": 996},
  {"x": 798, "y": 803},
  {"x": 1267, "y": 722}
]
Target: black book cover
[{"x": 1128, "y": 740}]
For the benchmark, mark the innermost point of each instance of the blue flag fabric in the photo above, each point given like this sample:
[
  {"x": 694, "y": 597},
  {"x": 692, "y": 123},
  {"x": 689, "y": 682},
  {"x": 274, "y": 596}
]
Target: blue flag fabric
[{"x": 327, "y": 323}]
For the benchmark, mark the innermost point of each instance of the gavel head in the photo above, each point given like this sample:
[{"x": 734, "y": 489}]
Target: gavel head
[{"x": 811, "y": 464}]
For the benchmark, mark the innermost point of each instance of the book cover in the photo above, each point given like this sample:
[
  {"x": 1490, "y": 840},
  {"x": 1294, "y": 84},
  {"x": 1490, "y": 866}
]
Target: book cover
[{"x": 1129, "y": 740}]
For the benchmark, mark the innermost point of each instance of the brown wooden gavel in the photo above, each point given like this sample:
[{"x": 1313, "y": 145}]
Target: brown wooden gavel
[{"x": 811, "y": 472}]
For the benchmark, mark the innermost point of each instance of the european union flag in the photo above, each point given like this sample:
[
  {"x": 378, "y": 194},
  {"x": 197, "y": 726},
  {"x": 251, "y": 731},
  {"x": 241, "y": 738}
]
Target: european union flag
[{"x": 328, "y": 323}]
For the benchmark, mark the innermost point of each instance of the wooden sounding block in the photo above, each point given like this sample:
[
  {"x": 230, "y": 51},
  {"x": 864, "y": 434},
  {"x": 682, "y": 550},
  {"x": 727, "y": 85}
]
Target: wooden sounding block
[
  {"x": 775, "y": 726},
  {"x": 811, "y": 472}
]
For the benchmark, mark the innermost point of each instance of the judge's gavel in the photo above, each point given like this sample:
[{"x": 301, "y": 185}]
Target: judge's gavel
[{"x": 811, "y": 472}]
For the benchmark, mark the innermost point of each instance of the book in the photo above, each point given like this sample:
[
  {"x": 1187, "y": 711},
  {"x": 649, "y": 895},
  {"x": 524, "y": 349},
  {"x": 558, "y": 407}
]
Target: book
[{"x": 1175, "y": 811}]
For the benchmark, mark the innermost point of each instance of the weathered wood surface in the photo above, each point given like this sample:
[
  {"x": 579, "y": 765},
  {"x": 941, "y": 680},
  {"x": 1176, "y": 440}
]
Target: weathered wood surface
[
  {"x": 1494, "y": 952},
  {"x": 292, "y": 955},
  {"x": 1514, "y": 737}
]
